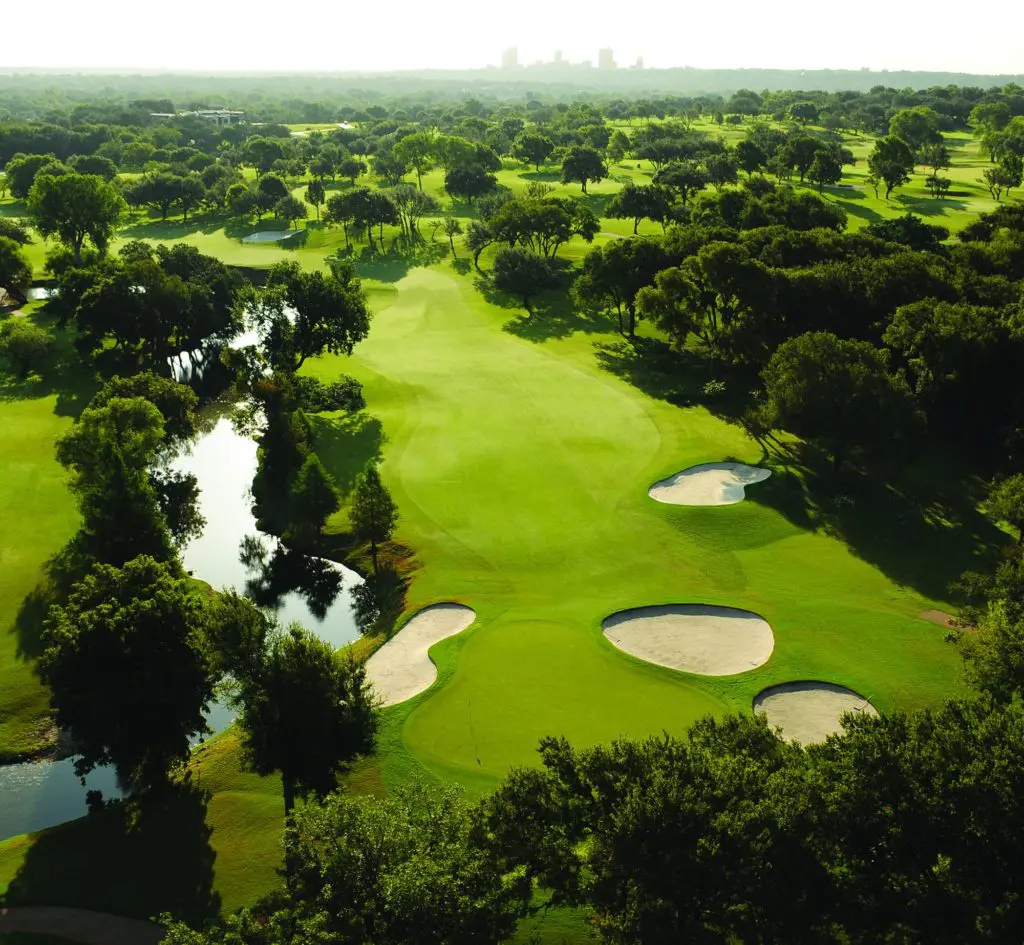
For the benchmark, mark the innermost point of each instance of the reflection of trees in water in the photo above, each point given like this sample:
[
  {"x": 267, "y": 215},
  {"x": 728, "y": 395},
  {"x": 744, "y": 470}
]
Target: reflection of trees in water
[
  {"x": 280, "y": 571},
  {"x": 378, "y": 602}
]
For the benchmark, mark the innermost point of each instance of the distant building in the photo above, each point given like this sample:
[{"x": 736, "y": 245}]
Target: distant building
[
  {"x": 510, "y": 58},
  {"x": 639, "y": 62},
  {"x": 605, "y": 59},
  {"x": 559, "y": 61},
  {"x": 219, "y": 116}
]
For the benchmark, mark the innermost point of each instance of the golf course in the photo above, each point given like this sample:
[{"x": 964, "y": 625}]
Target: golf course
[{"x": 620, "y": 506}]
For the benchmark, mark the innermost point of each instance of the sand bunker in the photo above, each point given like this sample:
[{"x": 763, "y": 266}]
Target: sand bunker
[
  {"x": 401, "y": 668},
  {"x": 809, "y": 711},
  {"x": 696, "y": 638},
  {"x": 268, "y": 236},
  {"x": 708, "y": 484}
]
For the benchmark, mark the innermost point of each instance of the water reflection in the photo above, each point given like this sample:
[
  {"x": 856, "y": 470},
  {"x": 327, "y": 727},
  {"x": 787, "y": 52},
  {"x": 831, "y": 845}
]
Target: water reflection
[{"x": 230, "y": 552}]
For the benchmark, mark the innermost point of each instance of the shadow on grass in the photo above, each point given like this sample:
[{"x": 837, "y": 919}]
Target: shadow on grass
[
  {"x": 346, "y": 443},
  {"x": 62, "y": 374},
  {"x": 864, "y": 213},
  {"x": 931, "y": 206},
  {"x": 16, "y": 208},
  {"x": 919, "y": 524},
  {"x": 136, "y": 858},
  {"x": 156, "y": 229},
  {"x": 661, "y": 372}
]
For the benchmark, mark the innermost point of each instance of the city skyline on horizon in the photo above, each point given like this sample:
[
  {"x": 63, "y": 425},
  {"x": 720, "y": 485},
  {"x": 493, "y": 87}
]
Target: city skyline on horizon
[{"x": 110, "y": 35}]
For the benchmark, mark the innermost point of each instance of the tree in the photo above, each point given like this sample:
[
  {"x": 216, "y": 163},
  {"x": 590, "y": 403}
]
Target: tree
[
  {"x": 416, "y": 151},
  {"x": 521, "y": 273},
  {"x": 469, "y": 183},
  {"x": 653, "y": 838},
  {"x": 314, "y": 496},
  {"x": 76, "y": 207},
  {"x": 22, "y": 170},
  {"x": 178, "y": 403},
  {"x": 804, "y": 112},
  {"x": 261, "y": 153},
  {"x": 478, "y": 237},
  {"x": 636, "y": 203},
  {"x": 583, "y": 164},
  {"x": 109, "y": 451},
  {"x": 825, "y": 169},
  {"x": 918, "y": 126},
  {"x": 936, "y": 156},
  {"x": 452, "y": 228},
  {"x": 15, "y": 269},
  {"x": 612, "y": 275},
  {"x": 1006, "y": 175},
  {"x": 25, "y": 345},
  {"x": 389, "y": 167},
  {"x": 750, "y": 156},
  {"x": 269, "y": 190},
  {"x": 937, "y": 186},
  {"x": 1005, "y": 503},
  {"x": 305, "y": 710},
  {"x": 330, "y": 314},
  {"x": 351, "y": 168},
  {"x": 835, "y": 390},
  {"x": 412, "y": 205},
  {"x": 721, "y": 170},
  {"x": 892, "y": 161},
  {"x": 685, "y": 178},
  {"x": 408, "y": 867},
  {"x": 618, "y": 146},
  {"x": 315, "y": 195},
  {"x": 94, "y": 164},
  {"x": 129, "y": 675},
  {"x": 160, "y": 191},
  {"x": 532, "y": 148},
  {"x": 373, "y": 514},
  {"x": 190, "y": 194},
  {"x": 290, "y": 209}
]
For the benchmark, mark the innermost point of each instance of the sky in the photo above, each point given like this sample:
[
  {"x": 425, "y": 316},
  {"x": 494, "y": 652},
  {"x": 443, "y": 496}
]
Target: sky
[{"x": 388, "y": 35}]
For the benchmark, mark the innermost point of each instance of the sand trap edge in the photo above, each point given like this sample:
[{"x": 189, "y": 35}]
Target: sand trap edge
[
  {"x": 698, "y": 486},
  {"x": 823, "y": 721},
  {"x": 713, "y": 655},
  {"x": 402, "y": 667}
]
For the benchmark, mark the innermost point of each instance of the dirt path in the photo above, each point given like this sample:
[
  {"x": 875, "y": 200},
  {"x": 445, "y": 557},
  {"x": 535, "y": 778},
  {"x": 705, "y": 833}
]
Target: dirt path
[{"x": 80, "y": 925}]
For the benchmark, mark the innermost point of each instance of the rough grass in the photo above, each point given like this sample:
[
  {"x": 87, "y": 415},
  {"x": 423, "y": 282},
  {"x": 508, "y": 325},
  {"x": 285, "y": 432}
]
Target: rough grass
[{"x": 38, "y": 517}]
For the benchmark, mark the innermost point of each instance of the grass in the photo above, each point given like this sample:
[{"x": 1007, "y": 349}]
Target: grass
[
  {"x": 38, "y": 517},
  {"x": 521, "y": 471}
]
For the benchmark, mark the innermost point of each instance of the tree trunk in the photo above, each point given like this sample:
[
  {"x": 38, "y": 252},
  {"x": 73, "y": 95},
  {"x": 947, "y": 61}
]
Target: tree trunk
[
  {"x": 451, "y": 240},
  {"x": 373, "y": 552},
  {"x": 636, "y": 224},
  {"x": 288, "y": 783}
]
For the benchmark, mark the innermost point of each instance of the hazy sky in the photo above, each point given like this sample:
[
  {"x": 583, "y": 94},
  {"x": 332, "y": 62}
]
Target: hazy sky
[{"x": 322, "y": 35}]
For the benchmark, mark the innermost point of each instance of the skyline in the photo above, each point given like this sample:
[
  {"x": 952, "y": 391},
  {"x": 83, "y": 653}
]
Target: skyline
[{"x": 210, "y": 36}]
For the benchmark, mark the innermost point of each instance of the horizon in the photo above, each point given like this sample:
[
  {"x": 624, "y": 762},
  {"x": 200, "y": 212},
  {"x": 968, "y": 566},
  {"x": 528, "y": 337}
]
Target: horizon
[{"x": 109, "y": 36}]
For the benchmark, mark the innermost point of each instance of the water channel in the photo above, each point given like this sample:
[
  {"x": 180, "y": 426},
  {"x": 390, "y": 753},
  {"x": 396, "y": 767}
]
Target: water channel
[{"x": 230, "y": 553}]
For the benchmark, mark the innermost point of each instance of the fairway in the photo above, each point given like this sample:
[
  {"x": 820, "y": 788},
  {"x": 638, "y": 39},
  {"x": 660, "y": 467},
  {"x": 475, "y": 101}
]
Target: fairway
[{"x": 521, "y": 471}]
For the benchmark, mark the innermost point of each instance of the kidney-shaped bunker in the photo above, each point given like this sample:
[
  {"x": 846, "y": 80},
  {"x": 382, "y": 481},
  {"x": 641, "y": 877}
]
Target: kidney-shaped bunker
[
  {"x": 809, "y": 711},
  {"x": 708, "y": 484}
]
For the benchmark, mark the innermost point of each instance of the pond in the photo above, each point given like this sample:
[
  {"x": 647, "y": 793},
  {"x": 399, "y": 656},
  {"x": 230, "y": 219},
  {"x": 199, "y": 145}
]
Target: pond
[{"x": 230, "y": 553}]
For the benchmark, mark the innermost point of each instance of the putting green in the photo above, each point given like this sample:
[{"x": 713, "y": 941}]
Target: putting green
[{"x": 521, "y": 471}]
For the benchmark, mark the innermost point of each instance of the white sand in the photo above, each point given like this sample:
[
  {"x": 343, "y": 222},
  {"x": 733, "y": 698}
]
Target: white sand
[
  {"x": 809, "y": 712},
  {"x": 268, "y": 236},
  {"x": 708, "y": 484},
  {"x": 696, "y": 638},
  {"x": 401, "y": 668}
]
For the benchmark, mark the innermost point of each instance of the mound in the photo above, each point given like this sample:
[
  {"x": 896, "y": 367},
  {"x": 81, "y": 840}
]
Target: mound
[
  {"x": 708, "y": 484},
  {"x": 696, "y": 638},
  {"x": 401, "y": 668},
  {"x": 809, "y": 711}
]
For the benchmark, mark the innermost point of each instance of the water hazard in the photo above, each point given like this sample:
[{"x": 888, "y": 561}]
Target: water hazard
[{"x": 231, "y": 552}]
